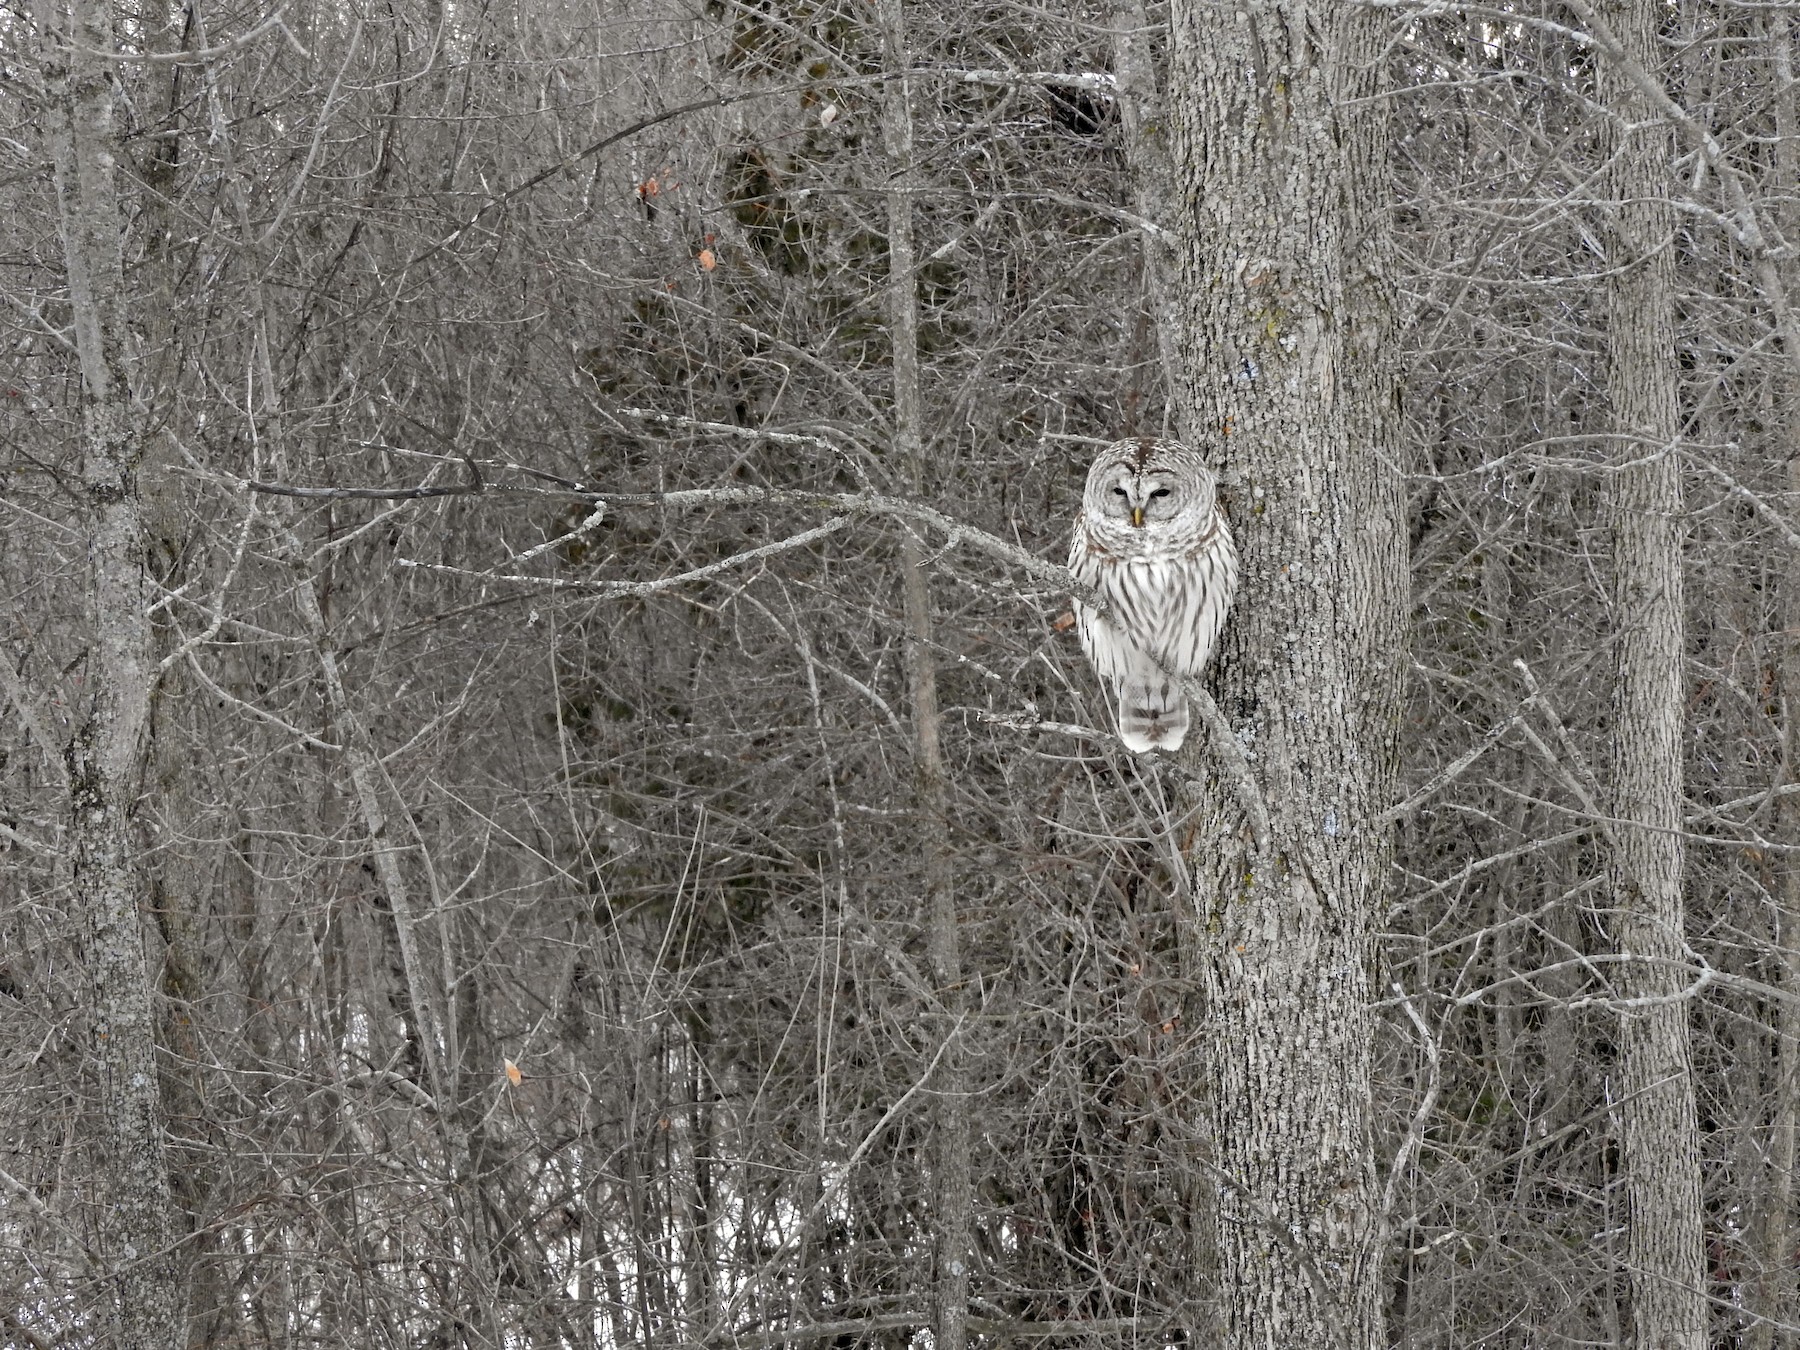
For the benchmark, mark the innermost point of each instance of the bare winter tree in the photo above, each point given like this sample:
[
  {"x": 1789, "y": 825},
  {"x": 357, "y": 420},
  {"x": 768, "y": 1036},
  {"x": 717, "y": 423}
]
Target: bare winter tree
[
  {"x": 1287, "y": 337},
  {"x": 1659, "y": 1134},
  {"x": 97, "y": 752}
]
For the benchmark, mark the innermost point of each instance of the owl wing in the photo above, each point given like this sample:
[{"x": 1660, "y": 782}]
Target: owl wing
[{"x": 1195, "y": 596}]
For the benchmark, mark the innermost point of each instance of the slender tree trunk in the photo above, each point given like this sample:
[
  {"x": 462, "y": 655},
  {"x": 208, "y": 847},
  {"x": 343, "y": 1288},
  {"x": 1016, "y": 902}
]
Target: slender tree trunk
[
  {"x": 1287, "y": 340},
  {"x": 178, "y": 886},
  {"x": 1660, "y": 1136},
  {"x": 1145, "y": 126},
  {"x": 1776, "y": 1304},
  {"x": 951, "y": 1195},
  {"x": 107, "y": 754},
  {"x": 432, "y": 1016}
]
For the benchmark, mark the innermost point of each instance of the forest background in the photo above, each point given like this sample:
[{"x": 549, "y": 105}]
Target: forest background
[{"x": 545, "y": 796}]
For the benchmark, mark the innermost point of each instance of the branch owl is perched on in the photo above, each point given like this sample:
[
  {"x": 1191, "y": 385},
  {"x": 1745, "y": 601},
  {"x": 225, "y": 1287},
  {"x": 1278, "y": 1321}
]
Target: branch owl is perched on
[{"x": 1152, "y": 540}]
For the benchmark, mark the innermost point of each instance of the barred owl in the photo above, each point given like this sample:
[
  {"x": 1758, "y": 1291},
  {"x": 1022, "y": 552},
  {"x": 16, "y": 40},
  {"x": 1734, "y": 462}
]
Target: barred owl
[{"x": 1152, "y": 540}]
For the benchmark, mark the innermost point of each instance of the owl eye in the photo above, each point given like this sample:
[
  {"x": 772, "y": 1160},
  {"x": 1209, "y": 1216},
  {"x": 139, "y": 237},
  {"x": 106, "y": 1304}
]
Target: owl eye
[
  {"x": 1159, "y": 492},
  {"x": 1119, "y": 492}
]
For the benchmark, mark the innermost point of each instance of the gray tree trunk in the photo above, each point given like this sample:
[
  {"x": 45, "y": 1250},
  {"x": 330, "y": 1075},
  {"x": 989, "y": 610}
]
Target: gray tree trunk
[
  {"x": 1144, "y": 124},
  {"x": 107, "y": 753},
  {"x": 1287, "y": 339},
  {"x": 952, "y": 1199},
  {"x": 1660, "y": 1136},
  {"x": 433, "y": 1017},
  {"x": 1776, "y": 1304}
]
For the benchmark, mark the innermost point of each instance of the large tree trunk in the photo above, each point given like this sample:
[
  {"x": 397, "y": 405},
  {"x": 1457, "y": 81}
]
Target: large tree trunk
[
  {"x": 108, "y": 750},
  {"x": 1660, "y": 1149},
  {"x": 1287, "y": 340}
]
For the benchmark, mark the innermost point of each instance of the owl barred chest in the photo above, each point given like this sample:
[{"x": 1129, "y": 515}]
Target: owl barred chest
[
  {"x": 1154, "y": 544},
  {"x": 1156, "y": 602}
]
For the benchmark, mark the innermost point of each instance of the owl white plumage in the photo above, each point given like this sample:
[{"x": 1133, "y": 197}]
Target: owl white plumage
[{"x": 1152, "y": 540}]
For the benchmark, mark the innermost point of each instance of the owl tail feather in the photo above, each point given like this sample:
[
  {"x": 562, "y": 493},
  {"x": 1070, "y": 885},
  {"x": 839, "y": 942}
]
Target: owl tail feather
[{"x": 1152, "y": 716}]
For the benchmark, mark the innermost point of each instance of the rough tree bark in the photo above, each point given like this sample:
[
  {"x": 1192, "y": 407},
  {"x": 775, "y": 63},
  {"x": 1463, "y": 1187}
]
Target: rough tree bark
[
  {"x": 107, "y": 752},
  {"x": 1280, "y": 158},
  {"x": 950, "y": 1191},
  {"x": 1659, "y": 1132}
]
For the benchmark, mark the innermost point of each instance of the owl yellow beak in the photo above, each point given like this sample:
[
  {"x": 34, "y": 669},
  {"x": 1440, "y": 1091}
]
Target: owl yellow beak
[{"x": 1137, "y": 516}]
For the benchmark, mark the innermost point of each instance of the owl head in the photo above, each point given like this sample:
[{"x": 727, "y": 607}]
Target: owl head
[{"x": 1149, "y": 494}]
